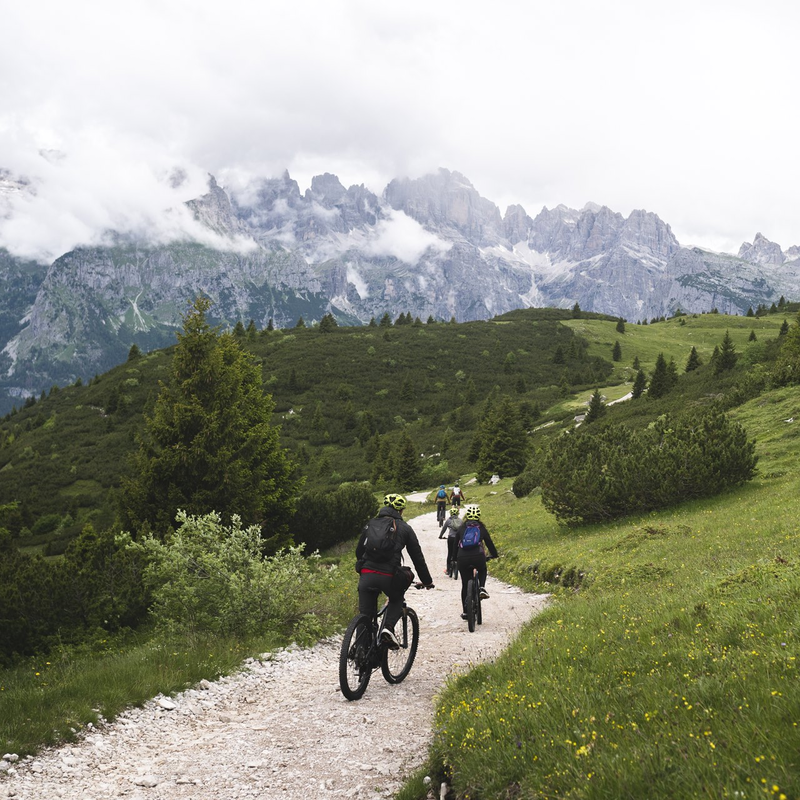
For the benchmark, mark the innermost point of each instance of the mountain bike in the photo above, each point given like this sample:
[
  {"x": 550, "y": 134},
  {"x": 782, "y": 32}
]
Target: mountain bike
[
  {"x": 474, "y": 613},
  {"x": 440, "y": 513},
  {"x": 362, "y": 651}
]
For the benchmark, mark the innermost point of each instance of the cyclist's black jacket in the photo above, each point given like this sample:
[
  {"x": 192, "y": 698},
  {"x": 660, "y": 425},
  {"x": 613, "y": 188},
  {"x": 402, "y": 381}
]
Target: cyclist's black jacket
[
  {"x": 486, "y": 542},
  {"x": 406, "y": 538}
]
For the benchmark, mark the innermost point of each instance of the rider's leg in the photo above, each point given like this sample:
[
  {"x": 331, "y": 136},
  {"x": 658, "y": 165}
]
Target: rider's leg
[{"x": 370, "y": 585}]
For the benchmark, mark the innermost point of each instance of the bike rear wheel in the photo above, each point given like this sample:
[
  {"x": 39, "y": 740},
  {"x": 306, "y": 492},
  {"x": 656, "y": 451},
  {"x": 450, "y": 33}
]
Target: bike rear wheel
[
  {"x": 478, "y": 612},
  {"x": 355, "y": 669},
  {"x": 471, "y": 610},
  {"x": 396, "y": 664}
]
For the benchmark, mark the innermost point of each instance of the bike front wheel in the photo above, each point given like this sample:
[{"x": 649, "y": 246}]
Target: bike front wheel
[
  {"x": 355, "y": 669},
  {"x": 396, "y": 664}
]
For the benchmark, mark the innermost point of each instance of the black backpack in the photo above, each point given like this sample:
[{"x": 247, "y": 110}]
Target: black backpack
[{"x": 381, "y": 539}]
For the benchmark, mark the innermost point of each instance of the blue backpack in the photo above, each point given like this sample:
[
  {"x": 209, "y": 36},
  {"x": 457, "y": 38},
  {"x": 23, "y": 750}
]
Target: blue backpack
[
  {"x": 472, "y": 536},
  {"x": 441, "y": 495}
]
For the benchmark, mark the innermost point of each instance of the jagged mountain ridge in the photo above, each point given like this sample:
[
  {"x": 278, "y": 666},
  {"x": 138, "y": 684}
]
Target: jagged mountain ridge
[{"x": 431, "y": 246}]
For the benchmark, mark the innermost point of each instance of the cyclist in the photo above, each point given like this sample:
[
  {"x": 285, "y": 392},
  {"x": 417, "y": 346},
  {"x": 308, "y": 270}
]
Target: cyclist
[
  {"x": 473, "y": 555},
  {"x": 441, "y": 504},
  {"x": 382, "y": 573},
  {"x": 456, "y": 496},
  {"x": 451, "y": 529}
]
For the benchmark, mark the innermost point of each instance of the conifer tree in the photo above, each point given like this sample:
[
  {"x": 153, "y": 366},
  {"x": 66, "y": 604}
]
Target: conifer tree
[
  {"x": 238, "y": 329},
  {"x": 251, "y": 330},
  {"x": 750, "y": 312},
  {"x": 784, "y": 329},
  {"x": 620, "y": 325},
  {"x": 407, "y": 464},
  {"x": 752, "y": 337},
  {"x": 386, "y": 321},
  {"x": 639, "y": 385},
  {"x": 576, "y": 311},
  {"x": 328, "y": 323},
  {"x": 693, "y": 362},
  {"x": 134, "y": 352},
  {"x": 372, "y": 323},
  {"x": 597, "y": 408},
  {"x": 636, "y": 365},
  {"x": 301, "y": 323},
  {"x": 270, "y": 326},
  {"x": 504, "y": 449},
  {"x": 558, "y": 355},
  {"x": 209, "y": 444},
  {"x": 727, "y": 355},
  {"x": 616, "y": 352},
  {"x": 431, "y": 320},
  {"x": 660, "y": 380}
]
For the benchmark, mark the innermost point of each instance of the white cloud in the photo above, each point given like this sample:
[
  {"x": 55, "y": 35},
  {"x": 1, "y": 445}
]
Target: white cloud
[
  {"x": 685, "y": 109},
  {"x": 404, "y": 238}
]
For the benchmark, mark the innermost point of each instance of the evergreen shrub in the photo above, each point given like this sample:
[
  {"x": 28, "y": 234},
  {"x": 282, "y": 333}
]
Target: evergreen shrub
[
  {"x": 593, "y": 477},
  {"x": 325, "y": 518}
]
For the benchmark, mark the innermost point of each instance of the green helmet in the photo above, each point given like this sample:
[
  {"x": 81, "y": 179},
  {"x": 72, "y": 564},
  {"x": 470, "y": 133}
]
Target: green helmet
[
  {"x": 472, "y": 512},
  {"x": 454, "y": 511},
  {"x": 396, "y": 501}
]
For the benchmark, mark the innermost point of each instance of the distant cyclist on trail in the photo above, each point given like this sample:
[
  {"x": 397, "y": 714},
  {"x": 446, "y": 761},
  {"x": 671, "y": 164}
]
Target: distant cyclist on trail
[
  {"x": 441, "y": 504},
  {"x": 379, "y": 555},
  {"x": 450, "y": 529},
  {"x": 472, "y": 540},
  {"x": 456, "y": 496}
]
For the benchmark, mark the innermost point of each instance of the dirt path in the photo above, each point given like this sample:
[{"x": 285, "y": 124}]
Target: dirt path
[{"x": 281, "y": 728}]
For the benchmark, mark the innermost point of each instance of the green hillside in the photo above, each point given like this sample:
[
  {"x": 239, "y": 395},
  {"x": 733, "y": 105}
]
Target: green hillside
[
  {"x": 343, "y": 399},
  {"x": 666, "y": 665}
]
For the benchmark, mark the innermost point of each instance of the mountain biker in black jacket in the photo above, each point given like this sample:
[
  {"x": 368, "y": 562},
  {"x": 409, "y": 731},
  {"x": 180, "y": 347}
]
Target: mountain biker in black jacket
[
  {"x": 450, "y": 529},
  {"x": 473, "y": 557},
  {"x": 386, "y": 576}
]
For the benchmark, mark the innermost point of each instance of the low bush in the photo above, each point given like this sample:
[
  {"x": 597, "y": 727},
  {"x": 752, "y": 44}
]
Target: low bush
[
  {"x": 324, "y": 519},
  {"x": 592, "y": 477}
]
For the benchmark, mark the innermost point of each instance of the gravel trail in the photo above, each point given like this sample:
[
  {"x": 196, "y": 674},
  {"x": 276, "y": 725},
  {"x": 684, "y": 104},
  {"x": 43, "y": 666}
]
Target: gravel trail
[{"x": 280, "y": 728}]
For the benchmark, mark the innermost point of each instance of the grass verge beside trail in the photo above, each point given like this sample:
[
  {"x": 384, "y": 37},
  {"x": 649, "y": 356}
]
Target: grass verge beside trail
[
  {"x": 46, "y": 700},
  {"x": 670, "y": 672}
]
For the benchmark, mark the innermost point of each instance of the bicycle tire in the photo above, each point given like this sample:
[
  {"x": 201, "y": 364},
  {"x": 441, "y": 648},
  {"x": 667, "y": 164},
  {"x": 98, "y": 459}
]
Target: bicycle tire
[
  {"x": 396, "y": 664},
  {"x": 478, "y": 609},
  {"x": 471, "y": 605},
  {"x": 354, "y": 667}
]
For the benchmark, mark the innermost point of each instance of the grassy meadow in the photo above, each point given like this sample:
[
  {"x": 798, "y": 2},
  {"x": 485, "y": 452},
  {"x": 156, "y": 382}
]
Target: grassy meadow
[{"x": 666, "y": 665}]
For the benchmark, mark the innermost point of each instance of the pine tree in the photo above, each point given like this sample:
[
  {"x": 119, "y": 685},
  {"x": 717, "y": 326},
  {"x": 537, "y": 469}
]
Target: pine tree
[
  {"x": 660, "y": 379},
  {"x": 251, "y": 330},
  {"x": 372, "y": 323},
  {"x": 620, "y": 325},
  {"x": 504, "y": 448},
  {"x": 639, "y": 385},
  {"x": 752, "y": 337},
  {"x": 597, "y": 408},
  {"x": 134, "y": 352},
  {"x": 431, "y": 320},
  {"x": 386, "y": 321},
  {"x": 270, "y": 326},
  {"x": 328, "y": 323},
  {"x": 727, "y": 355},
  {"x": 750, "y": 312},
  {"x": 576, "y": 311},
  {"x": 209, "y": 444},
  {"x": 238, "y": 330},
  {"x": 616, "y": 352},
  {"x": 693, "y": 362},
  {"x": 784, "y": 329},
  {"x": 301, "y": 323},
  {"x": 636, "y": 365},
  {"x": 407, "y": 464},
  {"x": 558, "y": 355}
]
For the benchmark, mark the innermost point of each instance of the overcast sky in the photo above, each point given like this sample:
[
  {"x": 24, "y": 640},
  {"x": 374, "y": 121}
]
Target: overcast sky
[{"x": 686, "y": 109}]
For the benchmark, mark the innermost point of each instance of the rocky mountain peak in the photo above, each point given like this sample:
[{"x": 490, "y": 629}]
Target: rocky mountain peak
[
  {"x": 448, "y": 200},
  {"x": 762, "y": 251},
  {"x": 214, "y": 211}
]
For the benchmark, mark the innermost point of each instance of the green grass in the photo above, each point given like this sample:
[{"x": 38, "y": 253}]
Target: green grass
[
  {"x": 671, "y": 672},
  {"x": 46, "y": 700}
]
